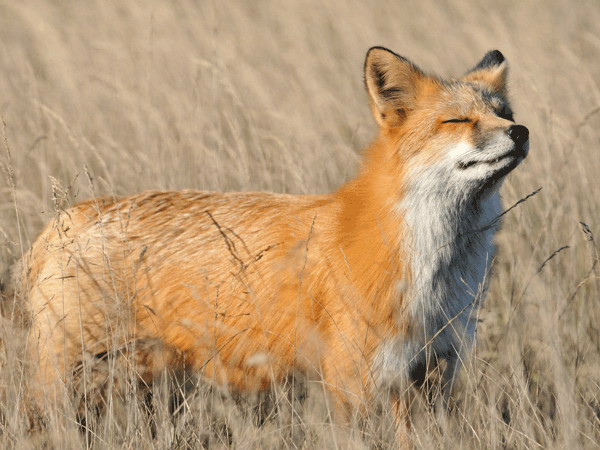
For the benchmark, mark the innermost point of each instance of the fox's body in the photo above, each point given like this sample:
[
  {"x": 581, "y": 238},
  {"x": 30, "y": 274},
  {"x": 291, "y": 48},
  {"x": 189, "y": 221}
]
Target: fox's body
[{"x": 366, "y": 288}]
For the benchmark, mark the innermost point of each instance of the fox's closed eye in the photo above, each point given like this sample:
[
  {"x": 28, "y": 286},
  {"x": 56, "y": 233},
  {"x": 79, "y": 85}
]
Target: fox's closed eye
[
  {"x": 463, "y": 120},
  {"x": 506, "y": 113}
]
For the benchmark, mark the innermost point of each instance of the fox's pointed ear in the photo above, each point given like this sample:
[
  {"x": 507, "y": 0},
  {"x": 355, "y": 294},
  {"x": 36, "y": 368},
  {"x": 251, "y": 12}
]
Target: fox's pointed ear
[
  {"x": 392, "y": 83},
  {"x": 492, "y": 71}
]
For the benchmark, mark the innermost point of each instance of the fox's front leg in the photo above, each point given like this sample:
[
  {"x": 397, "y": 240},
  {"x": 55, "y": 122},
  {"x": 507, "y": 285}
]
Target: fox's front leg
[
  {"x": 351, "y": 400},
  {"x": 462, "y": 346},
  {"x": 447, "y": 380},
  {"x": 400, "y": 407},
  {"x": 347, "y": 395}
]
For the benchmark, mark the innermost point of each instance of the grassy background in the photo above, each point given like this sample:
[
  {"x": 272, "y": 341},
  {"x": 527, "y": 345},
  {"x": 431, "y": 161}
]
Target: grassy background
[{"x": 116, "y": 97}]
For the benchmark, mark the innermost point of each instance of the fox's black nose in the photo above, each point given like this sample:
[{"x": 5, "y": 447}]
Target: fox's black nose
[{"x": 519, "y": 134}]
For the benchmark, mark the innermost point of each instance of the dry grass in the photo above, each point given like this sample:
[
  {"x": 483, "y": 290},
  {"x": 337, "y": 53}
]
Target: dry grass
[{"x": 268, "y": 95}]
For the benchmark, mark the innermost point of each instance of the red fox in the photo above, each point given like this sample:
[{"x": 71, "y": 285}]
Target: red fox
[{"x": 367, "y": 288}]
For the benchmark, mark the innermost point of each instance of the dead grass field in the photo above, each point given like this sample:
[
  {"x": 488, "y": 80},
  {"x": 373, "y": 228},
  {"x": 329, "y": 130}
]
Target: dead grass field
[{"x": 104, "y": 97}]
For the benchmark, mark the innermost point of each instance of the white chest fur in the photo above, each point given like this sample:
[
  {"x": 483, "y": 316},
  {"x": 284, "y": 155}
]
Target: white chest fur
[{"x": 449, "y": 244}]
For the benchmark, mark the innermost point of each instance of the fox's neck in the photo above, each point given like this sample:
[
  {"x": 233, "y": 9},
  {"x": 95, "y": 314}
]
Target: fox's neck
[
  {"x": 405, "y": 235},
  {"x": 370, "y": 228},
  {"x": 450, "y": 243}
]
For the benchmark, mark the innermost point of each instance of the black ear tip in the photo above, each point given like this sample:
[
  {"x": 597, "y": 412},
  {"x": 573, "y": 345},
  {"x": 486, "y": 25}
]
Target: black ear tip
[
  {"x": 491, "y": 59},
  {"x": 496, "y": 56}
]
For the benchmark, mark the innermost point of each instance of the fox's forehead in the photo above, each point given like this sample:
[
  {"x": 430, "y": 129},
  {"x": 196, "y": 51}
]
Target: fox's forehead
[{"x": 468, "y": 96}]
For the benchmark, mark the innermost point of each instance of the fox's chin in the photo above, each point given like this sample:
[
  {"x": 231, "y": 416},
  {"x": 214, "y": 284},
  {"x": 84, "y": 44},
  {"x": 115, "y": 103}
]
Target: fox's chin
[
  {"x": 496, "y": 169},
  {"x": 497, "y": 174},
  {"x": 509, "y": 160}
]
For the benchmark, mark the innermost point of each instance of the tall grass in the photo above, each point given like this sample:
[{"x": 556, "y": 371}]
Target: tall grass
[{"x": 116, "y": 97}]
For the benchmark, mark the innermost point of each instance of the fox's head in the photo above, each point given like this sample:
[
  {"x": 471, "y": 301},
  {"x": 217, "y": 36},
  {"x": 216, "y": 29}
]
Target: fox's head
[{"x": 458, "y": 135}]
